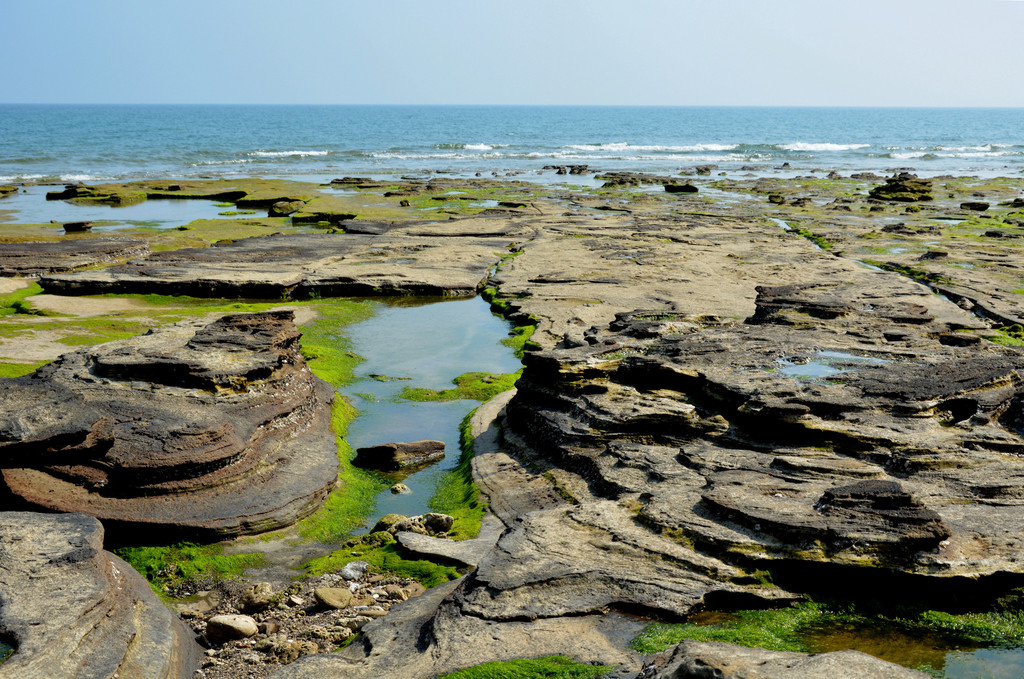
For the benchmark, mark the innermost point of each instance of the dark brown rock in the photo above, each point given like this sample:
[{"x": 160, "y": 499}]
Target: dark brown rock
[
  {"x": 77, "y": 227},
  {"x": 74, "y": 610},
  {"x": 680, "y": 188},
  {"x": 396, "y": 456},
  {"x": 216, "y": 429},
  {"x": 974, "y": 205}
]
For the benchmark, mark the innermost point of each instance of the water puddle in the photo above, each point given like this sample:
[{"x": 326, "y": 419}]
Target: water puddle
[
  {"x": 872, "y": 267},
  {"x": 782, "y": 224},
  {"x": 33, "y": 208},
  {"x": 823, "y": 364},
  {"x": 931, "y": 652},
  {"x": 419, "y": 343}
]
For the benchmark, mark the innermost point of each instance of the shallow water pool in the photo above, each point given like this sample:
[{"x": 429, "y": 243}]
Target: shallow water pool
[
  {"x": 420, "y": 343},
  {"x": 33, "y": 208}
]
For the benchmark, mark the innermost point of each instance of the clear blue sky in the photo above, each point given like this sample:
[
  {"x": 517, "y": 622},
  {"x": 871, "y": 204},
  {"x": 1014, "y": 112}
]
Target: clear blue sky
[{"x": 644, "y": 52}]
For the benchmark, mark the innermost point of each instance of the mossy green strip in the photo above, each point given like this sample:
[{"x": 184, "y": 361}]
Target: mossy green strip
[
  {"x": 549, "y": 667},
  {"x": 383, "y": 555},
  {"x": 455, "y": 493},
  {"x": 12, "y": 302},
  {"x": 167, "y": 565},
  {"x": 19, "y": 369},
  {"x": 470, "y": 386}
]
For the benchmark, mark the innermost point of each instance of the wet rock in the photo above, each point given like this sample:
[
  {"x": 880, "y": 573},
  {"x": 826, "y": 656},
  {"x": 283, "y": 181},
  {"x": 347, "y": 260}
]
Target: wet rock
[
  {"x": 400, "y": 489},
  {"x": 704, "y": 660},
  {"x": 34, "y": 258},
  {"x": 74, "y": 610},
  {"x": 221, "y": 628},
  {"x": 284, "y": 208},
  {"x": 77, "y": 227},
  {"x": 974, "y": 205},
  {"x": 903, "y": 187},
  {"x": 398, "y": 456},
  {"x": 680, "y": 188},
  {"x": 428, "y": 524},
  {"x": 7, "y": 190},
  {"x": 196, "y": 428}
]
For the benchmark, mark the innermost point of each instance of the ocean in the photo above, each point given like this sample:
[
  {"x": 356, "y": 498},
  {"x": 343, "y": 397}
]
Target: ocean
[{"x": 93, "y": 143}]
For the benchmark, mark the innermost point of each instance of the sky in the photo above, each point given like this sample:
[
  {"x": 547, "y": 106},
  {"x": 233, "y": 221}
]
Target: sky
[{"x": 595, "y": 52}]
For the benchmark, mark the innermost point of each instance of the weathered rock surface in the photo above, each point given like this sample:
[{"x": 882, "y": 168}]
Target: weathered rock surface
[
  {"x": 34, "y": 258},
  {"x": 903, "y": 187},
  {"x": 813, "y": 431},
  {"x": 74, "y": 610},
  {"x": 301, "y": 265},
  {"x": 399, "y": 455},
  {"x": 714, "y": 660},
  {"x": 215, "y": 429}
]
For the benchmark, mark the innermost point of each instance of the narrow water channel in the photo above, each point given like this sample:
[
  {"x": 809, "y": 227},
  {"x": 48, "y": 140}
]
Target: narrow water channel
[{"x": 420, "y": 343}]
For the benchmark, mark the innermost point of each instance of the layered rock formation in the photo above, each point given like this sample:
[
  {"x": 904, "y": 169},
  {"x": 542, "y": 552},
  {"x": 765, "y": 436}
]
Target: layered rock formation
[
  {"x": 215, "y": 429},
  {"x": 74, "y": 610},
  {"x": 304, "y": 265},
  {"x": 836, "y": 425},
  {"x": 33, "y": 258}
]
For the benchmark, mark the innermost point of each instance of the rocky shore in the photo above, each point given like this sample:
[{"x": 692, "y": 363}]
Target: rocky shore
[{"x": 734, "y": 396}]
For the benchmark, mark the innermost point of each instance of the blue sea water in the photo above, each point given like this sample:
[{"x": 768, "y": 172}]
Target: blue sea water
[{"x": 59, "y": 143}]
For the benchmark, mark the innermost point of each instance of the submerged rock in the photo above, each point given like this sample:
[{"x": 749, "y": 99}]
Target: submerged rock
[
  {"x": 74, "y": 610},
  {"x": 199, "y": 428},
  {"x": 703, "y": 660}
]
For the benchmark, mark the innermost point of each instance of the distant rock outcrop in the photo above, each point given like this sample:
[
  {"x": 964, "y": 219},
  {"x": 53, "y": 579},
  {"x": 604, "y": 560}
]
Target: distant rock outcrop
[
  {"x": 903, "y": 187},
  {"x": 216, "y": 429},
  {"x": 73, "y": 610}
]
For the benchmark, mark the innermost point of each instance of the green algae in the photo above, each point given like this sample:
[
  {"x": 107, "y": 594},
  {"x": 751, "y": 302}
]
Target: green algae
[
  {"x": 455, "y": 492},
  {"x": 548, "y": 667},
  {"x": 384, "y": 556},
  {"x": 19, "y": 369},
  {"x": 474, "y": 386}
]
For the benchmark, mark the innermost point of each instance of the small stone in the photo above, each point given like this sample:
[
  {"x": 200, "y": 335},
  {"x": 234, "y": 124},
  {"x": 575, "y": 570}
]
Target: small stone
[
  {"x": 257, "y": 598},
  {"x": 355, "y": 570},
  {"x": 293, "y": 600},
  {"x": 269, "y": 627},
  {"x": 221, "y": 628},
  {"x": 354, "y": 623},
  {"x": 396, "y": 592},
  {"x": 400, "y": 489}
]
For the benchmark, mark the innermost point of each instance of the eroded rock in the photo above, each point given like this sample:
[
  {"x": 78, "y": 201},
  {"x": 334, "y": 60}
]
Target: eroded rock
[
  {"x": 34, "y": 258},
  {"x": 399, "y": 456},
  {"x": 74, "y": 610},
  {"x": 203, "y": 429}
]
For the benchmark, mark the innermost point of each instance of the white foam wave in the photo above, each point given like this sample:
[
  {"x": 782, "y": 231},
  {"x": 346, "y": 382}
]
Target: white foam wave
[
  {"x": 626, "y": 147},
  {"x": 478, "y": 147},
  {"x": 283, "y": 154},
  {"x": 206, "y": 163},
  {"x": 806, "y": 146}
]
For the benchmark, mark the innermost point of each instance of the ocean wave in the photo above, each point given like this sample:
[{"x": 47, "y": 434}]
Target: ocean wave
[
  {"x": 651, "y": 148},
  {"x": 933, "y": 155},
  {"x": 284, "y": 154},
  {"x": 468, "y": 147},
  {"x": 806, "y": 146},
  {"x": 209, "y": 163}
]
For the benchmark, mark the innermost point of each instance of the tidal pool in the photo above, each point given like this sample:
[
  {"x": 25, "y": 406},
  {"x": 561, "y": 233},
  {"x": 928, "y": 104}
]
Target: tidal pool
[
  {"x": 824, "y": 364},
  {"x": 420, "y": 343},
  {"x": 930, "y": 652},
  {"x": 33, "y": 208}
]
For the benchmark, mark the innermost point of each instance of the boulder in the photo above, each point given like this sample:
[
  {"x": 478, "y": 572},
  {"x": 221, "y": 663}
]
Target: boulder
[
  {"x": 974, "y": 205},
  {"x": 333, "y": 597},
  {"x": 354, "y": 570},
  {"x": 680, "y": 188},
  {"x": 716, "y": 660},
  {"x": 283, "y": 208},
  {"x": 258, "y": 597},
  {"x": 195, "y": 429},
  {"x": 398, "y": 456},
  {"x": 72, "y": 609},
  {"x": 221, "y": 628},
  {"x": 7, "y": 190},
  {"x": 77, "y": 227}
]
